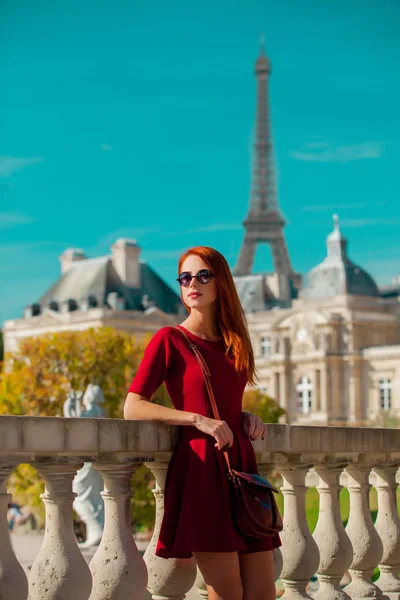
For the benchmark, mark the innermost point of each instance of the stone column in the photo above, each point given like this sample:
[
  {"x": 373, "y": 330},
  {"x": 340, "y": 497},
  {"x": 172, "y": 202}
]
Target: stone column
[
  {"x": 168, "y": 579},
  {"x": 324, "y": 390},
  {"x": 336, "y": 552},
  {"x": 355, "y": 389},
  {"x": 367, "y": 545},
  {"x": 59, "y": 572},
  {"x": 284, "y": 390},
  {"x": 299, "y": 550},
  {"x": 387, "y": 525},
  {"x": 13, "y": 581},
  {"x": 118, "y": 569}
]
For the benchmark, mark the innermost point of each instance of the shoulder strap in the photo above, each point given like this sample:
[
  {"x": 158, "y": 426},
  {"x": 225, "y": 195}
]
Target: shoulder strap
[{"x": 207, "y": 379}]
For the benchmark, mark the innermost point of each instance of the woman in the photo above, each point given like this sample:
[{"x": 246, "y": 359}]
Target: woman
[{"x": 197, "y": 520}]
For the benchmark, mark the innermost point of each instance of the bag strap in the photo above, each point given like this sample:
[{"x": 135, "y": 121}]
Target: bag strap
[{"x": 207, "y": 379}]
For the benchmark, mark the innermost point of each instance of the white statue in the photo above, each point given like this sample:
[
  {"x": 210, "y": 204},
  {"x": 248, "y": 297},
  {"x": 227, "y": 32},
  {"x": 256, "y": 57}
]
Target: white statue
[{"x": 88, "y": 482}]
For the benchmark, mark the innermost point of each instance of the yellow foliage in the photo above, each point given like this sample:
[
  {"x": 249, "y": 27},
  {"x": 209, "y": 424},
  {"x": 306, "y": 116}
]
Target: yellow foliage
[{"x": 37, "y": 378}]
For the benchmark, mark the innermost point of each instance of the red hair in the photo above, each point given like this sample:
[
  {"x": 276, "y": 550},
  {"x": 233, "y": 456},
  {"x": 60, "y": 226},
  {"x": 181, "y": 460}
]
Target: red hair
[{"x": 231, "y": 320}]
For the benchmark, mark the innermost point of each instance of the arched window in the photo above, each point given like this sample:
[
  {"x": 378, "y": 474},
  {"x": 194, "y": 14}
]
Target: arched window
[{"x": 304, "y": 390}]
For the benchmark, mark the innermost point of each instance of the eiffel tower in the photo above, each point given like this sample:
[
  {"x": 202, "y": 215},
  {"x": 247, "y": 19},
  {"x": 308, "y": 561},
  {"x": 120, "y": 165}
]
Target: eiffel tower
[{"x": 264, "y": 223}]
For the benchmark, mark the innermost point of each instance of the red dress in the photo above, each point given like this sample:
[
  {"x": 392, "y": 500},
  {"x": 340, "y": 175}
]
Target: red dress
[{"x": 197, "y": 513}]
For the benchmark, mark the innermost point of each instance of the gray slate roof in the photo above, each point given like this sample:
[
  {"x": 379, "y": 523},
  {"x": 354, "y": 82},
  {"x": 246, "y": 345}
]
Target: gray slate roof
[
  {"x": 254, "y": 293},
  {"x": 96, "y": 277},
  {"x": 337, "y": 274}
]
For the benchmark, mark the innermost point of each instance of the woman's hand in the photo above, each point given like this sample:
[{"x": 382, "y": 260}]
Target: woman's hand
[
  {"x": 218, "y": 429},
  {"x": 253, "y": 426}
]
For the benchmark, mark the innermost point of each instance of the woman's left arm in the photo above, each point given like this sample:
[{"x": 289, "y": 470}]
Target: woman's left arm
[{"x": 253, "y": 426}]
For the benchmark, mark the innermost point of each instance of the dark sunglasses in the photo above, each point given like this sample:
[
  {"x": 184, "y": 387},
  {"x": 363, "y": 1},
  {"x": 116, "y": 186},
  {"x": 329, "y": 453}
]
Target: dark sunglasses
[{"x": 203, "y": 276}]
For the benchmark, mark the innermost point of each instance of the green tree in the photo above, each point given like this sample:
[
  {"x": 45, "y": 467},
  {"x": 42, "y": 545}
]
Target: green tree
[{"x": 258, "y": 403}]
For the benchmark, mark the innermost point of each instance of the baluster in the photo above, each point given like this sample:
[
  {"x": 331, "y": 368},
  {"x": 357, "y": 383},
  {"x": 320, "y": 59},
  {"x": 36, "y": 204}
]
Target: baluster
[
  {"x": 367, "y": 545},
  {"x": 335, "y": 549},
  {"x": 265, "y": 468},
  {"x": 13, "y": 581},
  {"x": 299, "y": 550},
  {"x": 118, "y": 569},
  {"x": 387, "y": 525},
  {"x": 168, "y": 579},
  {"x": 59, "y": 572}
]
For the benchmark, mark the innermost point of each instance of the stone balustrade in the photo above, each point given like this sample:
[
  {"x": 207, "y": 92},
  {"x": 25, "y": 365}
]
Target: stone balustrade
[{"x": 57, "y": 448}]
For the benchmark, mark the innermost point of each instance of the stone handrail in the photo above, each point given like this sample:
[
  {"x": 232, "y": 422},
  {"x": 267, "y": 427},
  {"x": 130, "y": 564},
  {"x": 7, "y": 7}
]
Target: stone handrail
[{"x": 57, "y": 448}]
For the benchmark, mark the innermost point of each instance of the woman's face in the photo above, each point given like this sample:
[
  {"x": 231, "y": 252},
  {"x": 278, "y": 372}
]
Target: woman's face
[{"x": 197, "y": 295}]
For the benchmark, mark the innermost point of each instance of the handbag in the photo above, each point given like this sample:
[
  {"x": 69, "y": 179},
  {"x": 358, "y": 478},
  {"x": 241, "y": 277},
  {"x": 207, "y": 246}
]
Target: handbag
[{"x": 254, "y": 509}]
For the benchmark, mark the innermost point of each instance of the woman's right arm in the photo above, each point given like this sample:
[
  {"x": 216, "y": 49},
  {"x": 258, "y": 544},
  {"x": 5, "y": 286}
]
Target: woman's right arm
[{"x": 139, "y": 408}]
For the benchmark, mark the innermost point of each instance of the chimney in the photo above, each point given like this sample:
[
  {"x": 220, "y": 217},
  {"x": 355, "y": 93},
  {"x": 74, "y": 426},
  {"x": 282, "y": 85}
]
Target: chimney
[
  {"x": 126, "y": 261},
  {"x": 69, "y": 256}
]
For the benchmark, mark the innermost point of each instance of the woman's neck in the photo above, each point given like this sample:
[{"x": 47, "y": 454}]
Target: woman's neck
[{"x": 203, "y": 325}]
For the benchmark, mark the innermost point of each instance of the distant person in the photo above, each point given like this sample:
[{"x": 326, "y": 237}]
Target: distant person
[
  {"x": 17, "y": 515},
  {"x": 197, "y": 519}
]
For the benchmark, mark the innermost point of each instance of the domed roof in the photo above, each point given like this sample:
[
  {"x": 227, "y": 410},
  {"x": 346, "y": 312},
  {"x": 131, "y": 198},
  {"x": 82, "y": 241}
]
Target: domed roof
[{"x": 337, "y": 274}]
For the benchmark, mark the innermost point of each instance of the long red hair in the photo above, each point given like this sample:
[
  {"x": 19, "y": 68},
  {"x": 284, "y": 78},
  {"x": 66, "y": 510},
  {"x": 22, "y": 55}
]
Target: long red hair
[{"x": 230, "y": 316}]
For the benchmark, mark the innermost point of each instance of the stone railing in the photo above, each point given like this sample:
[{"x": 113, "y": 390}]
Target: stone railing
[{"x": 58, "y": 447}]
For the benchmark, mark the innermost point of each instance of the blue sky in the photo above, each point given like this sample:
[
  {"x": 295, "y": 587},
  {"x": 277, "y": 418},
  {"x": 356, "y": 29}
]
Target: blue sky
[{"x": 136, "y": 119}]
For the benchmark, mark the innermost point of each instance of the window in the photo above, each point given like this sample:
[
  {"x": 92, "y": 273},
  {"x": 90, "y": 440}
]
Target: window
[
  {"x": 385, "y": 393},
  {"x": 304, "y": 391},
  {"x": 266, "y": 345}
]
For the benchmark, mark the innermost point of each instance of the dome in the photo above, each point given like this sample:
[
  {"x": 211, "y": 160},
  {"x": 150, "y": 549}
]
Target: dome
[{"x": 337, "y": 274}]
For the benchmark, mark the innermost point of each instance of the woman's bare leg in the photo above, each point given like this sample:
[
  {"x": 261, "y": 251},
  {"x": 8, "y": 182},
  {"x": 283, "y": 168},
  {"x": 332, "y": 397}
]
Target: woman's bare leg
[
  {"x": 221, "y": 572},
  {"x": 257, "y": 574}
]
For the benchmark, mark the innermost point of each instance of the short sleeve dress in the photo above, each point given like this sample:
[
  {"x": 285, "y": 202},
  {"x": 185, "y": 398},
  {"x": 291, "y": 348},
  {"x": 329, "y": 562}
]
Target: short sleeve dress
[{"x": 197, "y": 512}]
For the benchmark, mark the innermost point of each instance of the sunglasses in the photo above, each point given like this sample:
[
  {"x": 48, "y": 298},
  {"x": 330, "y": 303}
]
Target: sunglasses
[{"x": 203, "y": 276}]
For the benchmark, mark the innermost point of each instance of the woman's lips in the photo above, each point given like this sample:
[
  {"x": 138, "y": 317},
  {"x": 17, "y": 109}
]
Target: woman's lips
[{"x": 194, "y": 295}]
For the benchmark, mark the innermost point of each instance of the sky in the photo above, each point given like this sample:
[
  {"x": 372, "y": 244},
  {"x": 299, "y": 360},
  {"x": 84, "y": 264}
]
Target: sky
[{"x": 136, "y": 119}]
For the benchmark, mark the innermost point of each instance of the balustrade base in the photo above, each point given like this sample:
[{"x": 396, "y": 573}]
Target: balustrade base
[
  {"x": 328, "y": 590},
  {"x": 295, "y": 590}
]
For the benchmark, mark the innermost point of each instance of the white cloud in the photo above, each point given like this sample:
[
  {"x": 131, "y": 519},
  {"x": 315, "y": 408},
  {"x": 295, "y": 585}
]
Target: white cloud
[
  {"x": 332, "y": 207},
  {"x": 328, "y": 152},
  {"x": 12, "y": 218},
  {"x": 368, "y": 222},
  {"x": 105, "y": 147},
  {"x": 11, "y": 164}
]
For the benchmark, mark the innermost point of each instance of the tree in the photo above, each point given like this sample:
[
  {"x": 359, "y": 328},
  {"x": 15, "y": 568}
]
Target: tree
[
  {"x": 36, "y": 379},
  {"x": 258, "y": 403},
  {"x": 1, "y": 346}
]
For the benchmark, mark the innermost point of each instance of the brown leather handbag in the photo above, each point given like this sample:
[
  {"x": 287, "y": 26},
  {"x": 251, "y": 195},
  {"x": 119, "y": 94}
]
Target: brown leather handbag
[{"x": 254, "y": 508}]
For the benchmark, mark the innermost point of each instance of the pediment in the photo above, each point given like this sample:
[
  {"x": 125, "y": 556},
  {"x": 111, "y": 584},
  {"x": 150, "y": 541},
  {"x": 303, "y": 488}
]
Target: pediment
[{"x": 301, "y": 319}]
